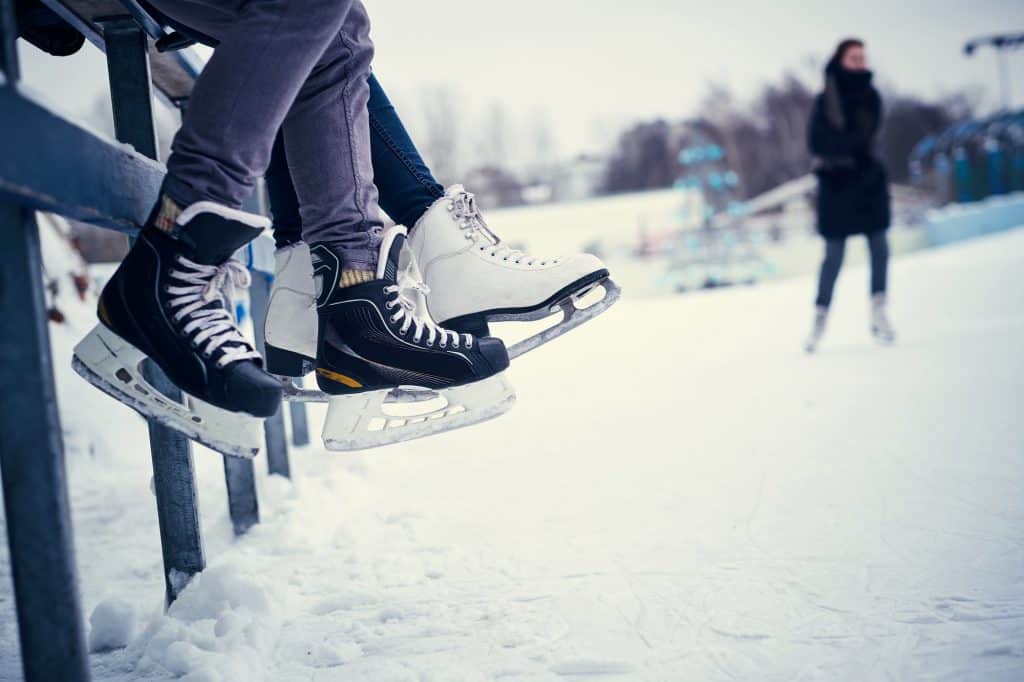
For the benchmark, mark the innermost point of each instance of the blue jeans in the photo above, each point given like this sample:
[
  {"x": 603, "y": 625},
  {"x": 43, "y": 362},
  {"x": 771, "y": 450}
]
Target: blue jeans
[{"x": 405, "y": 185}]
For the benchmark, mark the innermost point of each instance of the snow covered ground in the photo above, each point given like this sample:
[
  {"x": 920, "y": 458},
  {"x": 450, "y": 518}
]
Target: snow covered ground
[{"x": 680, "y": 494}]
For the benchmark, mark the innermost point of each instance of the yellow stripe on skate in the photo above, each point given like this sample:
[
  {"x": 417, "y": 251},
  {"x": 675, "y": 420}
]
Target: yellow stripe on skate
[
  {"x": 340, "y": 378},
  {"x": 102, "y": 310}
]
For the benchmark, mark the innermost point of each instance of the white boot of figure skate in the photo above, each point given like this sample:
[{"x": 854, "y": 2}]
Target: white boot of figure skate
[
  {"x": 291, "y": 323},
  {"x": 881, "y": 328},
  {"x": 817, "y": 330},
  {"x": 475, "y": 278}
]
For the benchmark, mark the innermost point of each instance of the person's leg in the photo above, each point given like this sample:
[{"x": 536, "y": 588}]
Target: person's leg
[
  {"x": 404, "y": 182},
  {"x": 327, "y": 146},
  {"x": 878, "y": 246},
  {"x": 284, "y": 205},
  {"x": 834, "y": 250},
  {"x": 266, "y": 51},
  {"x": 407, "y": 187},
  {"x": 299, "y": 66}
]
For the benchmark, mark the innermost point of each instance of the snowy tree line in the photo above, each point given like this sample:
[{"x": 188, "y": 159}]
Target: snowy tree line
[{"x": 765, "y": 138}]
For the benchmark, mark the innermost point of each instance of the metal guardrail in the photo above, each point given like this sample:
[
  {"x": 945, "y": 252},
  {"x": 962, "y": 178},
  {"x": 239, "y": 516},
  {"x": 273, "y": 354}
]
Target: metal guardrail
[{"x": 50, "y": 164}]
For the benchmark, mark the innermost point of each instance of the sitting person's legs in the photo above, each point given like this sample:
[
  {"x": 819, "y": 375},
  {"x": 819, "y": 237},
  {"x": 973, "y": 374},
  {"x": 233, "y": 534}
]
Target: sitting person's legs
[
  {"x": 260, "y": 79},
  {"x": 168, "y": 300},
  {"x": 406, "y": 186},
  {"x": 508, "y": 284}
]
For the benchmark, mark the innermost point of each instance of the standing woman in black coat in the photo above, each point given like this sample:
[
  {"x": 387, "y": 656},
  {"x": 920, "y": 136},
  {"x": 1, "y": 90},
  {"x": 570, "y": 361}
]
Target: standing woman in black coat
[{"x": 853, "y": 191}]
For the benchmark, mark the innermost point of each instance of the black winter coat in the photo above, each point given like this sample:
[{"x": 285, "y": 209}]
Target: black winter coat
[{"x": 853, "y": 191}]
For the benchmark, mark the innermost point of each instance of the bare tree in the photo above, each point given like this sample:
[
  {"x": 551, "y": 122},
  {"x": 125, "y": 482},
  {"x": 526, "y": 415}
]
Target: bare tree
[
  {"x": 440, "y": 141},
  {"x": 541, "y": 147},
  {"x": 495, "y": 139}
]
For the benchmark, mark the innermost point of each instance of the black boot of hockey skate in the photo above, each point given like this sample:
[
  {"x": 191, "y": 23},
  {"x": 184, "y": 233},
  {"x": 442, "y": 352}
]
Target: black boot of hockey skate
[
  {"x": 168, "y": 302},
  {"x": 391, "y": 372}
]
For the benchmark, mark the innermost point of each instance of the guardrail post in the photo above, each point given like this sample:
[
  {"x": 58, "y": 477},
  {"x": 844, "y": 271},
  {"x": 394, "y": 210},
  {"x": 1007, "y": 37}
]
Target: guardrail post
[
  {"x": 300, "y": 423},
  {"x": 8, "y": 42},
  {"x": 39, "y": 534},
  {"x": 32, "y": 461},
  {"x": 174, "y": 482},
  {"x": 273, "y": 428}
]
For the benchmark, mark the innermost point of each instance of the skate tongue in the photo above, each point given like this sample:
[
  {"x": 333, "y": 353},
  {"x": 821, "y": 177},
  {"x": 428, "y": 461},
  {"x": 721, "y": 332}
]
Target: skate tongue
[{"x": 390, "y": 262}]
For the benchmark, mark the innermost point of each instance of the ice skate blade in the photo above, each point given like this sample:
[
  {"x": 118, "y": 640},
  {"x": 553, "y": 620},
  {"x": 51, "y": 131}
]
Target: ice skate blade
[
  {"x": 299, "y": 394},
  {"x": 400, "y": 394},
  {"x": 361, "y": 421},
  {"x": 883, "y": 339},
  {"x": 572, "y": 316},
  {"x": 114, "y": 366}
]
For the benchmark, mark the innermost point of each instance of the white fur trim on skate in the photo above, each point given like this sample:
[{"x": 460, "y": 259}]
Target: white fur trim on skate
[
  {"x": 368, "y": 420},
  {"x": 244, "y": 217},
  {"x": 114, "y": 366}
]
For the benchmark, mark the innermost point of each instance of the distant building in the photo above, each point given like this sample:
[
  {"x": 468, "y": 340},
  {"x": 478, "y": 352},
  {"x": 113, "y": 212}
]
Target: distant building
[{"x": 579, "y": 178}]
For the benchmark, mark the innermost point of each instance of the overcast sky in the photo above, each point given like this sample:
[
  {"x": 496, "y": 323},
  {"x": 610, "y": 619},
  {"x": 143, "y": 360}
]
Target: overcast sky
[
  {"x": 591, "y": 67},
  {"x": 594, "y": 65}
]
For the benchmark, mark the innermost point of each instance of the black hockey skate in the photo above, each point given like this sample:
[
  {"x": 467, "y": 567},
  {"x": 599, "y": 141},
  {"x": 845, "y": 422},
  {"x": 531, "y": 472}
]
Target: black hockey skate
[
  {"x": 391, "y": 373},
  {"x": 168, "y": 301}
]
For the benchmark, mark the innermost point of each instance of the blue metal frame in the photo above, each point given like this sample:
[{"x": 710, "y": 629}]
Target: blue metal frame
[
  {"x": 173, "y": 471},
  {"x": 53, "y": 165},
  {"x": 35, "y": 492},
  {"x": 273, "y": 428}
]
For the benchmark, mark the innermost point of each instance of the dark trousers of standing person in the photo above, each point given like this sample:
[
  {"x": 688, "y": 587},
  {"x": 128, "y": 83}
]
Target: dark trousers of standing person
[{"x": 878, "y": 246}]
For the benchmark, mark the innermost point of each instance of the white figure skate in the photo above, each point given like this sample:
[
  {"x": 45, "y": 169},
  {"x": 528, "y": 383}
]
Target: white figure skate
[
  {"x": 881, "y": 328},
  {"x": 817, "y": 329},
  {"x": 474, "y": 278}
]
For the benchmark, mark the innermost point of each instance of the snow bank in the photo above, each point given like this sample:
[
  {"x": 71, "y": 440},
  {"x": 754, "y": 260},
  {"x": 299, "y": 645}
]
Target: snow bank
[
  {"x": 718, "y": 506},
  {"x": 111, "y": 625},
  {"x": 223, "y": 626}
]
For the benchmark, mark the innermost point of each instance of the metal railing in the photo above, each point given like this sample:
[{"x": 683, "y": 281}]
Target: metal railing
[{"x": 50, "y": 164}]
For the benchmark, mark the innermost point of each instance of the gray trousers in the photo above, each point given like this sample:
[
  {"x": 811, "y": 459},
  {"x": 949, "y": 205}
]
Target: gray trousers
[
  {"x": 878, "y": 246},
  {"x": 300, "y": 66}
]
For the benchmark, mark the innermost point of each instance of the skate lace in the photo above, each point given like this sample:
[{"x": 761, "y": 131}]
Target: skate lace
[
  {"x": 469, "y": 219},
  {"x": 202, "y": 285},
  {"x": 408, "y": 293}
]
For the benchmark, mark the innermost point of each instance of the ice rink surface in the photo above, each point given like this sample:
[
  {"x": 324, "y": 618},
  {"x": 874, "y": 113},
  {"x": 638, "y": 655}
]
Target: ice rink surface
[{"x": 679, "y": 494}]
